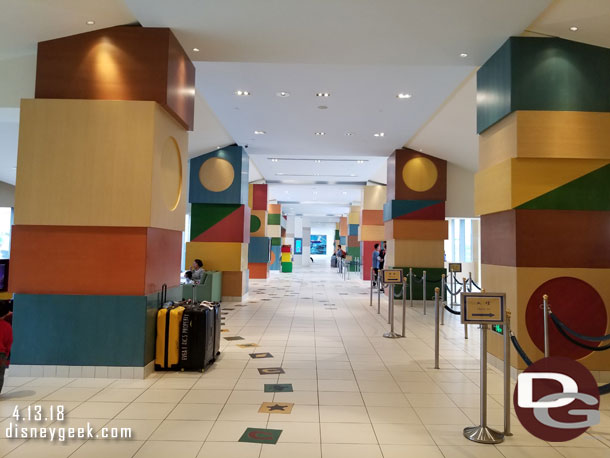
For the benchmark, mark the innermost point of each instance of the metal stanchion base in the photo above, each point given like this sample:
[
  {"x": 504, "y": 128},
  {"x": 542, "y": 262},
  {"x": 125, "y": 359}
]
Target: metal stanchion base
[
  {"x": 391, "y": 335},
  {"x": 483, "y": 435}
]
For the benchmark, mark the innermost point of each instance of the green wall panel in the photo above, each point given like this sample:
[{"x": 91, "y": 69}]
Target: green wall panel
[
  {"x": 204, "y": 216},
  {"x": 274, "y": 219},
  {"x": 549, "y": 74},
  {"x": 433, "y": 277}
]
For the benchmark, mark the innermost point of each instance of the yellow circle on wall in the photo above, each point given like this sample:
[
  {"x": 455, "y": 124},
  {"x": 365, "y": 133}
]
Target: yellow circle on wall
[
  {"x": 419, "y": 174},
  {"x": 216, "y": 174},
  {"x": 171, "y": 173}
]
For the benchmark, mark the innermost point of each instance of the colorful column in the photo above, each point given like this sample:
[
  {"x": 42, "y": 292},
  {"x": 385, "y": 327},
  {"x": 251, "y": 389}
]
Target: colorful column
[
  {"x": 260, "y": 244},
  {"x": 353, "y": 244},
  {"x": 274, "y": 231},
  {"x": 286, "y": 258},
  {"x": 100, "y": 201},
  {"x": 414, "y": 216},
  {"x": 220, "y": 217},
  {"x": 371, "y": 225},
  {"x": 337, "y": 240},
  {"x": 543, "y": 115},
  {"x": 343, "y": 231}
]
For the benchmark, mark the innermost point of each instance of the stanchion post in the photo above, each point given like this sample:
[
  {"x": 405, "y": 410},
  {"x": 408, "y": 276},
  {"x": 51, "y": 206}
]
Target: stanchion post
[
  {"x": 507, "y": 374},
  {"x": 470, "y": 282},
  {"x": 379, "y": 277},
  {"x": 424, "y": 291},
  {"x": 404, "y": 305},
  {"x": 442, "y": 301},
  {"x": 436, "y": 328},
  {"x": 545, "y": 308},
  {"x": 411, "y": 285},
  {"x": 391, "y": 334},
  {"x": 371, "y": 301}
]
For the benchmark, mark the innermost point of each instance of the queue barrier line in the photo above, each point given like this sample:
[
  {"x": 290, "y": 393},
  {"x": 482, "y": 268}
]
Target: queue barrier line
[
  {"x": 577, "y": 334},
  {"x": 559, "y": 325}
]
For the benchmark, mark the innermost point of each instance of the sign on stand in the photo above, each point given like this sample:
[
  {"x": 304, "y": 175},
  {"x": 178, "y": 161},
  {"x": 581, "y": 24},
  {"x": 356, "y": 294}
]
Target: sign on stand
[
  {"x": 483, "y": 308},
  {"x": 455, "y": 267},
  {"x": 391, "y": 276}
]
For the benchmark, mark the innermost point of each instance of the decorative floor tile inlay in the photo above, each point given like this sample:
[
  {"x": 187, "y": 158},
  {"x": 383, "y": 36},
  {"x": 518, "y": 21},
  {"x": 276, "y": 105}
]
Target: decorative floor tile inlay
[
  {"x": 234, "y": 338},
  {"x": 261, "y": 436},
  {"x": 276, "y": 407},
  {"x": 224, "y": 330},
  {"x": 260, "y": 355},
  {"x": 248, "y": 345},
  {"x": 278, "y": 388},
  {"x": 270, "y": 370}
]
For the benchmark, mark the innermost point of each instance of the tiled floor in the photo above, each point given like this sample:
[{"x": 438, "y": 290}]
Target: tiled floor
[{"x": 355, "y": 394}]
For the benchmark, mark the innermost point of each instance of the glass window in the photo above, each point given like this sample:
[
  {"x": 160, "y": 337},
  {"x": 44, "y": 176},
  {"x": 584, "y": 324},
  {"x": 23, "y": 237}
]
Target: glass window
[{"x": 6, "y": 220}]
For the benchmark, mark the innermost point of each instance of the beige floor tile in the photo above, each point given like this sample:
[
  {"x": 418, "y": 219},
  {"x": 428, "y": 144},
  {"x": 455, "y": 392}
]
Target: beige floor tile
[
  {"x": 164, "y": 449},
  {"x": 478, "y": 451},
  {"x": 351, "y": 451},
  {"x": 37, "y": 449},
  {"x": 298, "y": 397},
  {"x": 419, "y": 451},
  {"x": 141, "y": 429},
  {"x": 206, "y": 397},
  {"x": 300, "y": 432},
  {"x": 146, "y": 410},
  {"x": 249, "y": 397},
  {"x": 337, "y": 385},
  {"x": 185, "y": 411},
  {"x": 229, "y": 450},
  {"x": 385, "y": 399},
  {"x": 344, "y": 414},
  {"x": 117, "y": 395},
  {"x": 338, "y": 398},
  {"x": 90, "y": 409},
  {"x": 292, "y": 450},
  {"x": 152, "y": 395},
  {"x": 72, "y": 394},
  {"x": 409, "y": 434},
  {"x": 347, "y": 433},
  {"x": 529, "y": 452},
  {"x": 241, "y": 412},
  {"x": 300, "y": 413},
  {"x": 107, "y": 448},
  {"x": 385, "y": 414},
  {"x": 442, "y": 416},
  {"x": 182, "y": 430},
  {"x": 231, "y": 431}
]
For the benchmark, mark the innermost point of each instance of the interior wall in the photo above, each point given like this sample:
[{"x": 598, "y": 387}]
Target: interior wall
[
  {"x": 7, "y": 195},
  {"x": 327, "y": 229},
  {"x": 460, "y": 192}
]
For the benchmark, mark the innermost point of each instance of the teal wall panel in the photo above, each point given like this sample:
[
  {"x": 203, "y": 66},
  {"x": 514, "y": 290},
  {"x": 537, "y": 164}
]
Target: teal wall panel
[
  {"x": 74, "y": 330},
  {"x": 550, "y": 74}
]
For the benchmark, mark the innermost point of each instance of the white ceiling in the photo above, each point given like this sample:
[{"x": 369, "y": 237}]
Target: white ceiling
[{"x": 360, "y": 32}]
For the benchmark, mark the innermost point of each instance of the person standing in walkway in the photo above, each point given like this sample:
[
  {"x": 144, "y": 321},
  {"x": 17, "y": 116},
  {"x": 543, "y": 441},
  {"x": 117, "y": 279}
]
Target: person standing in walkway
[
  {"x": 6, "y": 342},
  {"x": 375, "y": 262}
]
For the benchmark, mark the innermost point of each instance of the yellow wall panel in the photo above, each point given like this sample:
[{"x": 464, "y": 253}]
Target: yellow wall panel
[
  {"x": 373, "y": 197},
  {"x": 286, "y": 257},
  {"x": 515, "y": 181},
  {"x": 519, "y": 283},
  {"x": 415, "y": 253},
  {"x": 354, "y": 215},
  {"x": 100, "y": 163},
  {"x": 231, "y": 256},
  {"x": 546, "y": 134},
  {"x": 372, "y": 233}
]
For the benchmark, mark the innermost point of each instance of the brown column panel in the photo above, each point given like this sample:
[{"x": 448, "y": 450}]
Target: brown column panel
[{"x": 119, "y": 63}]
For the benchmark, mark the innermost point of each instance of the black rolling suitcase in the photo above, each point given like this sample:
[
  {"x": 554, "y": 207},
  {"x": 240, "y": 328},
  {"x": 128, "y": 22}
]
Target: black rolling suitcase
[
  {"x": 197, "y": 338},
  {"x": 217, "y": 325}
]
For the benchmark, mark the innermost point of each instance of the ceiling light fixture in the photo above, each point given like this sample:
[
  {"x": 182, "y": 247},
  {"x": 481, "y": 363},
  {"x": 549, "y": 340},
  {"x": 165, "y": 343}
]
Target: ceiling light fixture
[
  {"x": 283, "y": 94},
  {"x": 349, "y": 134},
  {"x": 352, "y": 174},
  {"x": 360, "y": 162},
  {"x": 404, "y": 95},
  {"x": 323, "y": 94},
  {"x": 320, "y": 133},
  {"x": 196, "y": 49},
  {"x": 574, "y": 28},
  {"x": 317, "y": 161},
  {"x": 259, "y": 132},
  {"x": 379, "y": 134},
  {"x": 463, "y": 54},
  {"x": 90, "y": 22},
  {"x": 242, "y": 93}
]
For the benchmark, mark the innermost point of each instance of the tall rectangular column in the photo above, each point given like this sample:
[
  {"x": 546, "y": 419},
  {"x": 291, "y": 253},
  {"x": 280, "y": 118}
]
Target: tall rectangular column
[
  {"x": 100, "y": 198},
  {"x": 274, "y": 231},
  {"x": 353, "y": 228},
  {"x": 220, "y": 217},
  {"x": 543, "y": 115},
  {"x": 371, "y": 225},
  {"x": 260, "y": 244},
  {"x": 414, "y": 216}
]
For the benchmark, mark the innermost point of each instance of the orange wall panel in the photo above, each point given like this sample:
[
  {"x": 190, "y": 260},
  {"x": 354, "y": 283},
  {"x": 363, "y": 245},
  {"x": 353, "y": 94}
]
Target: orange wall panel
[{"x": 93, "y": 260}]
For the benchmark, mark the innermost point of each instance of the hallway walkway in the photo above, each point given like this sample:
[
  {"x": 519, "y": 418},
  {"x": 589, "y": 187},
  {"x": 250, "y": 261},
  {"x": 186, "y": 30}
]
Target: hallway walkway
[{"x": 355, "y": 394}]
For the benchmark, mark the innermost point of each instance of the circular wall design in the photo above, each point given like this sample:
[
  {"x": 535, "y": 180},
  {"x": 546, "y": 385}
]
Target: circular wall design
[
  {"x": 575, "y": 303},
  {"x": 171, "y": 173},
  {"x": 272, "y": 257},
  {"x": 216, "y": 174},
  {"x": 255, "y": 223},
  {"x": 419, "y": 174}
]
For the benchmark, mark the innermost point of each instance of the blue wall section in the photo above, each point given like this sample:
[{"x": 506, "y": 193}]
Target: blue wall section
[
  {"x": 277, "y": 265},
  {"x": 352, "y": 229},
  {"x": 343, "y": 242},
  {"x": 237, "y": 193},
  {"x": 73, "y": 330},
  {"x": 258, "y": 249}
]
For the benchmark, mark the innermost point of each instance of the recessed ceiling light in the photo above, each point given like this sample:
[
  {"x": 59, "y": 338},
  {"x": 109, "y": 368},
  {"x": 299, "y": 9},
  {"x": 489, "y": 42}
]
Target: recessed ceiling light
[
  {"x": 242, "y": 93},
  {"x": 573, "y": 28},
  {"x": 196, "y": 49},
  {"x": 463, "y": 54},
  {"x": 344, "y": 192},
  {"x": 275, "y": 160},
  {"x": 317, "y": 161},
  {"x": 352, "y": 174},
  {"x": 404, "y": 95},
  {"x": 360, "y": 162},
  {"x": 218, "y": 147},
  {"x": 283, "y": 94},
  {"x": 349, "y": 134},
  {"x": 320, "y": 133},
  {"x": 322, "y": 107},
  {"x": 90, "y": 22},
  {"x": 323, "y": 94},
  {"x": 379, "y": 134},
  {"x": 259, "y": 132}
]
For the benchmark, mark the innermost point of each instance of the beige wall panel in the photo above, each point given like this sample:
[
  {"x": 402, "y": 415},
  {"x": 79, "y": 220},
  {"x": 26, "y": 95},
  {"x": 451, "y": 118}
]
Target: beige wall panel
[
  {"x": 96, "y": 163},
  {"x": 415, "y": 253},
  {"x": 372, "y": 233},
  {"x": 373, "y": 197}
]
